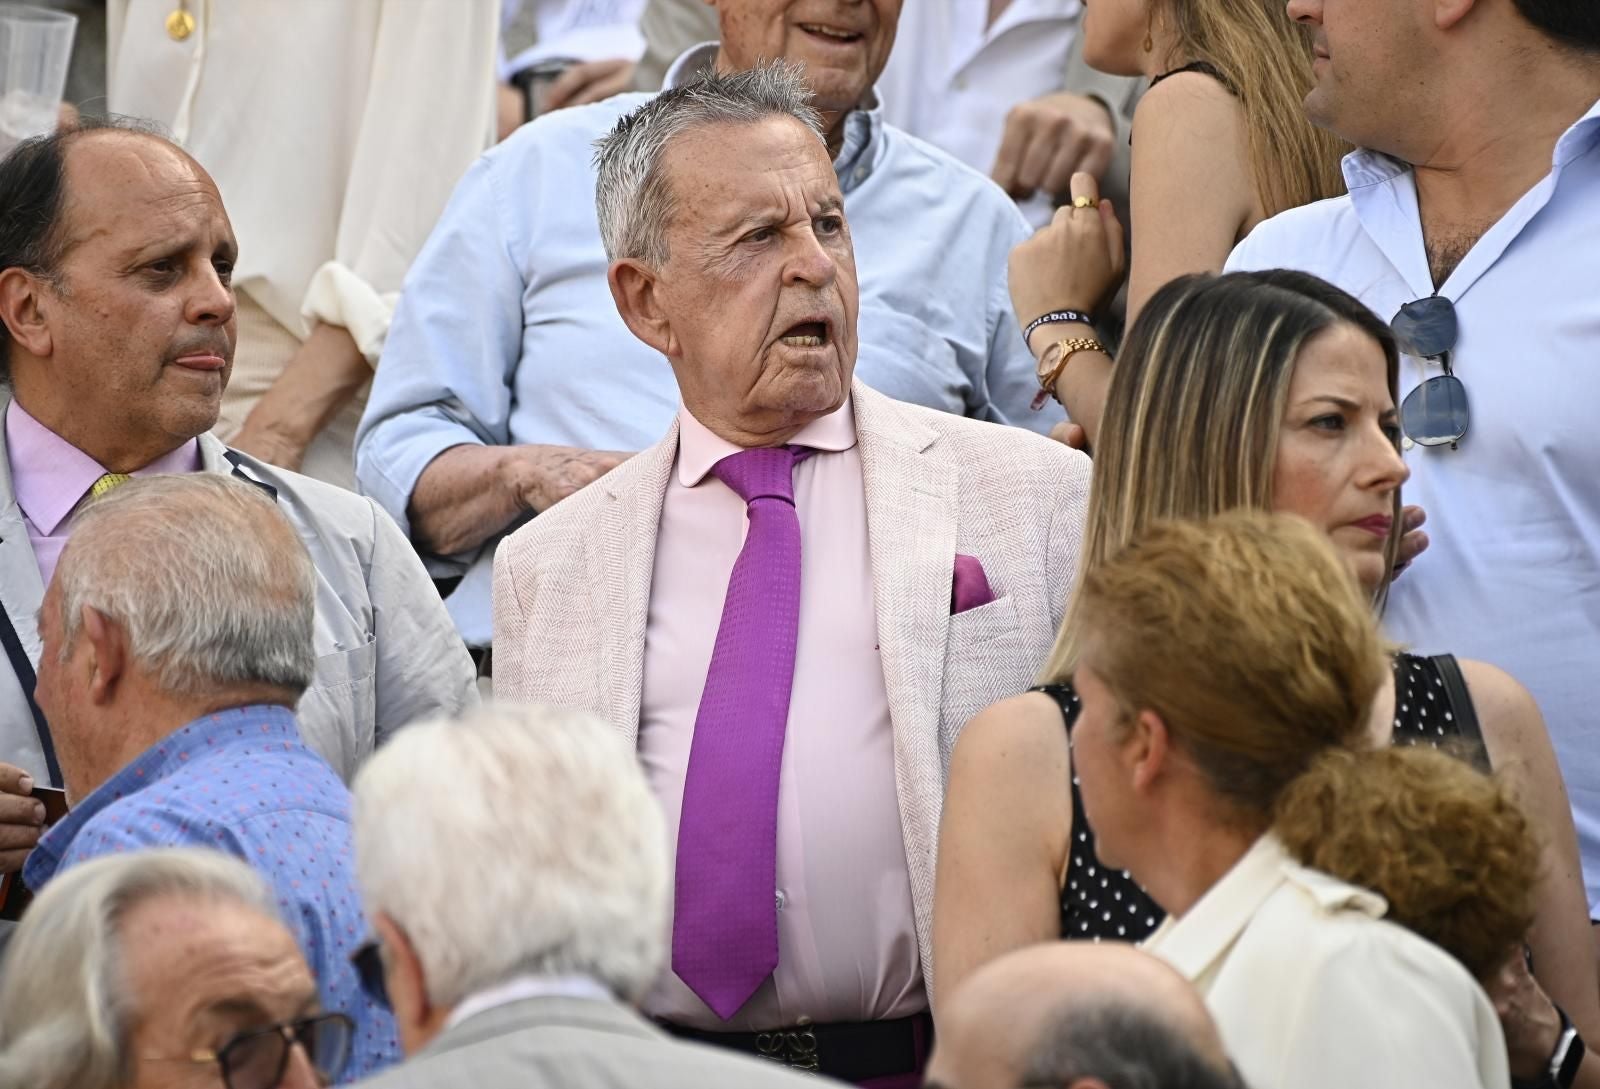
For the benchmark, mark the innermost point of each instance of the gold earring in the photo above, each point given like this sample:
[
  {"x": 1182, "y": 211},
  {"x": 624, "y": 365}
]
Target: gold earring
[{"x": 1148, "y": 43}]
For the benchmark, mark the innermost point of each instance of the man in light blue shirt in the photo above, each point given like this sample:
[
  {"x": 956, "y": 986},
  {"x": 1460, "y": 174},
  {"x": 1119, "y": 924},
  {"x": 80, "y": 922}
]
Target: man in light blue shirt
[
  {"x": 1483, "y": 190},
  {"x": 508, "y": 380}
]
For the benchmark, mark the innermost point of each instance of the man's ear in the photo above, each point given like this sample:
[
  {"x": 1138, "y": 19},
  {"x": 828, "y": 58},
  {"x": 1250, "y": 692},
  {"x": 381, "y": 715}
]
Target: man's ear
[
  {"x": 636, "y": 290},
  {"x": 1148, "y": 749},
  {"x": 23, "y": 312},
  {"x": 1448, "y": 13},
  {"x": 109, "y": 653},
  {"x": 405, "y": 981}
]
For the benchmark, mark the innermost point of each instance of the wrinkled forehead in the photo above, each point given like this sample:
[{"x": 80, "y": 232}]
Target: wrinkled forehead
[{"x": 726, "y": 171}]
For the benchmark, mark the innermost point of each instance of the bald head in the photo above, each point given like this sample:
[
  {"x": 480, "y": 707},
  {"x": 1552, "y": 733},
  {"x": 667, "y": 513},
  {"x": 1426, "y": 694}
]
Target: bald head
[{"x": 1077, "y": 1015}]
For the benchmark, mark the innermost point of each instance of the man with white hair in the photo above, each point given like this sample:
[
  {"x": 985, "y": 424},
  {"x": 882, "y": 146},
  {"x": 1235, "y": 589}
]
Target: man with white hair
[
  {"x": 794, "y": 601},
  {"x": 508, "y": 381},
  {"x": 171, "y": 667},
  {"x": 165, "y": 969},
  {"x": 514, "y": 866}
]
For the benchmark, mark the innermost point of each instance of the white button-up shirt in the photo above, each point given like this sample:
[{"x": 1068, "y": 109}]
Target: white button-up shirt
[
  {"x": 1513, "y": 572},
  {"x": 1311, "y": 988},
  {"x": 952, "y": 77}
]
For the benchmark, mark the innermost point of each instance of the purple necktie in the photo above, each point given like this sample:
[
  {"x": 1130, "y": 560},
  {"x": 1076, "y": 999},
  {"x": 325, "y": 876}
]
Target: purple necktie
[{"x": 725, "y": 922}]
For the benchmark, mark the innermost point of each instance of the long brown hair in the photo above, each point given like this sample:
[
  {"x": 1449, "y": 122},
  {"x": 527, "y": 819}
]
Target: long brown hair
[{"x": 1265, "y": 58}]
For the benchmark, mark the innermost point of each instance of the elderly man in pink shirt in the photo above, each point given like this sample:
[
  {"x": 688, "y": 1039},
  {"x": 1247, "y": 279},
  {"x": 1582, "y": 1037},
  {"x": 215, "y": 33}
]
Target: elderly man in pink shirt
[{"x": 793, "y": 602}]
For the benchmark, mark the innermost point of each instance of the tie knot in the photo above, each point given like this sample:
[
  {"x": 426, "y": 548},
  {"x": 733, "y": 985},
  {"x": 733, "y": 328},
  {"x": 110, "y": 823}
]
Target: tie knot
[
  {"x": 763, "y": 473},
  {"x": 106, "y": 483}
]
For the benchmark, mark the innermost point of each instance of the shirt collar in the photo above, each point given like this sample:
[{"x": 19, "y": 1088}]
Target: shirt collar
[
  {"x": 256, "y": 724},
  {"x": 1364, "y": 166},
  {"x": 859, "y": 151},
  {"x": 51, "y": 476},
  {"x": 699, "y": 448},
  {"x": 1195, "y": 942},
  {"x": 523, "y": 988}
]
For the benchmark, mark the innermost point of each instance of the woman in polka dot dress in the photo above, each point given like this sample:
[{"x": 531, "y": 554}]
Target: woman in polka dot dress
[{"x": 1268, "y": 390}]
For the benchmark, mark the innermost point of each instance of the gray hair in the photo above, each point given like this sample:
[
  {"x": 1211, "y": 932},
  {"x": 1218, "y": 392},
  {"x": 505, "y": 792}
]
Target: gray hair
[
  {"x": 633, "y": 195},
  {"x": 65, "y": 1015},
  {"x": 1123, "y": 1045},
  {"x": 515, "y": 840},
  {"x": 208, "y": 578}
]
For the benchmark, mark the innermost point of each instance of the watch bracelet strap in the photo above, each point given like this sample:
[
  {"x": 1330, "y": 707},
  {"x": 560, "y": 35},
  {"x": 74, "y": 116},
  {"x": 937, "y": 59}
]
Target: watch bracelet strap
[
  {"x": 1562, "y": 1076},
  {"x": 1065, "y": 349}
]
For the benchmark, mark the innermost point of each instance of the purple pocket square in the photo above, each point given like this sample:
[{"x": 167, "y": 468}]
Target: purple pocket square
[{"x": 970, "y": 587}]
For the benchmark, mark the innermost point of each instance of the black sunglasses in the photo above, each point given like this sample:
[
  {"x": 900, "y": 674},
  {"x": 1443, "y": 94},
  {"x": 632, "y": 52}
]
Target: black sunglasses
[
  {"x": 1435, "y": 413},
  {"x": 368, "y": 963},
  {"x": 258, "y": 1059}
]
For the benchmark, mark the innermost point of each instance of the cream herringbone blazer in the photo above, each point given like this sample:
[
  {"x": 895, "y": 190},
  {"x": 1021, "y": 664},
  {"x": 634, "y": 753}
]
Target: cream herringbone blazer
[{"x": 572, "y": 588}]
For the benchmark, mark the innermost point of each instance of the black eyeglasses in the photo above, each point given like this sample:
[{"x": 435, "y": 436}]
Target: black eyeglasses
[
  {"x": 258, "y": 1059},
  {"x": 1435, "y": 413},
  {"x": 368, "y": 962}
]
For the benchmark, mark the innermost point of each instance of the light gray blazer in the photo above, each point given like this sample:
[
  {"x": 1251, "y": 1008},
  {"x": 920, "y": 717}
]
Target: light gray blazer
[
  {"x": 572, "y": 588},
  {"x": 575, "y": 1043},
  {"x": 387, "y": 652}
]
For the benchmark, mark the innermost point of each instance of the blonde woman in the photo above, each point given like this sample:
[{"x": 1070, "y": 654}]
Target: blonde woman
[
  {"x": 1220, "y": 143},
  {"x": 1271, "y": 391},
  {"x": 1194, "y": 751}
]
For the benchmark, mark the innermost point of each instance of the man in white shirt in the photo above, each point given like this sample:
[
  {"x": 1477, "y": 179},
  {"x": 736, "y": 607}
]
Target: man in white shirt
[
  {"x": 336, "y": 132},
  {"x": 1482, "y": 188}
]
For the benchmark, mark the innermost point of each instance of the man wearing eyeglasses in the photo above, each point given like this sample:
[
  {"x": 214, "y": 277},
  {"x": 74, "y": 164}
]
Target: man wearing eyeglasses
[
  {"x": 209, "y": 992},
  {"x": 170, "y": 669},
  {"x": 1473, "y": 223}
]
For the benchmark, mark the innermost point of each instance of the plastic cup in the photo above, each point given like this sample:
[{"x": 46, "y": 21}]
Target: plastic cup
[{"x": 35, "y": 49}]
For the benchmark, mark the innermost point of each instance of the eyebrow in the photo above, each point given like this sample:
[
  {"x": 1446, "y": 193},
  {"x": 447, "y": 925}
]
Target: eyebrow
[
  {"x": 767, "y": 218},
  {"x": 1347, "y": 404}
]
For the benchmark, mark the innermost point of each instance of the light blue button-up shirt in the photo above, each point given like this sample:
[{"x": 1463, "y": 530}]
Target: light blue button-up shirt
[
  {"x": 506, "y": 331},
  {"x": 1512, "y": 575}
]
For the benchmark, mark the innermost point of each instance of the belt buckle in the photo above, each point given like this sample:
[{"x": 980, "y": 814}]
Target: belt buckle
[{"x": 795, "y": 1048}]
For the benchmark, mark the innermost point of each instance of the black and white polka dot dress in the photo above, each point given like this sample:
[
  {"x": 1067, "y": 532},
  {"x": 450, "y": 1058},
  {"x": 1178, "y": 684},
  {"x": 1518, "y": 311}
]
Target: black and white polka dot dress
[{"x": 1103, "y": 904}]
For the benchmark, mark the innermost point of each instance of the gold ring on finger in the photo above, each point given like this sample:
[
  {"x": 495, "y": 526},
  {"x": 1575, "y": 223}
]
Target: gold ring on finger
[{"x": 1085, "y": 202}]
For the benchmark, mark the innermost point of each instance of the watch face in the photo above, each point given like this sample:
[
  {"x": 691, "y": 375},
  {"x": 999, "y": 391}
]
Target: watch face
[{"x": 1568, "y": 1057}]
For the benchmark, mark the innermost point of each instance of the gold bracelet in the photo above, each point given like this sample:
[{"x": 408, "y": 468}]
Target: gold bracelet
[{"x": 1066, "y": 349}]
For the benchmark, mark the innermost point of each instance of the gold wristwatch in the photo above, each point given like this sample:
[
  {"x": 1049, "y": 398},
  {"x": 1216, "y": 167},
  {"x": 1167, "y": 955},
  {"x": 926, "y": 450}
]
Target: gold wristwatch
[{"x": 1055, "y": 360}]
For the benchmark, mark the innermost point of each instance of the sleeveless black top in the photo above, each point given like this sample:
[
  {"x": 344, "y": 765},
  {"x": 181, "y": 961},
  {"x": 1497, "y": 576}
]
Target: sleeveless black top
[{"x": 1099, "y": 903}]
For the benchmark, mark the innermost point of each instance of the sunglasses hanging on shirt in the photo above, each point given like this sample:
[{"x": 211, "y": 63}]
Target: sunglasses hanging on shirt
[{"x": 1435, "y": 413}]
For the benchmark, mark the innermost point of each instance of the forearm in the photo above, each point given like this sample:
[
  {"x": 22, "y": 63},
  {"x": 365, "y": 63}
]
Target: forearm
[
  {"x": 465, "y": 496},
  {"x": 318, "y": 381}
]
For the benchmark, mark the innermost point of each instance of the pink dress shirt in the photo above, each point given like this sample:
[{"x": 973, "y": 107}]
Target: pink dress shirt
[
  {"x": 847, "y": 943},
  {"x": 50, "y": 477}
]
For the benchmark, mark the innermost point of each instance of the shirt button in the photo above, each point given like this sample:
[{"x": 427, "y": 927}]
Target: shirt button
[
  {"x": 783, "y": 900},
  {"x": 961, "y": 83}
]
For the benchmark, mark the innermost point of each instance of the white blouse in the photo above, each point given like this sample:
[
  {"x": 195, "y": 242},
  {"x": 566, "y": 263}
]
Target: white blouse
[{"x": 1312, "y": 988}]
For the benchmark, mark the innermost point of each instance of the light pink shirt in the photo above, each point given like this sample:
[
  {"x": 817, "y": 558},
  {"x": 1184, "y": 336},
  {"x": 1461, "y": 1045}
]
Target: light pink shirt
[
  {"x": 847, "y": 943},
  {"x": 50, "y": 477}
]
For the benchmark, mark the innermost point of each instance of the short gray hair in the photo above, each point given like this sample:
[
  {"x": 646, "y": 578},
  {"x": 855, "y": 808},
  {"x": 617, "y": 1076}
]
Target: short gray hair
[
  {"x": 633, "y": 195},
  {"x": 515, "y": 840},
  {"x": 65, "y": 1014},
  {"x": 208, "y": 578}
]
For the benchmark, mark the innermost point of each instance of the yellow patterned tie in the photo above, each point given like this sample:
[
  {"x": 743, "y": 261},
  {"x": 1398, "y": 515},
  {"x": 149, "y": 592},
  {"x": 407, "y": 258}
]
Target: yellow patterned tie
[{"x": 106, "y": 483}]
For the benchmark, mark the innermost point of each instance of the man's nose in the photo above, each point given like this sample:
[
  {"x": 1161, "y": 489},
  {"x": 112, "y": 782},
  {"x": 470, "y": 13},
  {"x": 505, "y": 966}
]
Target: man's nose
[
  {"x": 810, "y": 263},
  {"x": 300, "y": 1072},
  {"x": 212, "y": 302}
]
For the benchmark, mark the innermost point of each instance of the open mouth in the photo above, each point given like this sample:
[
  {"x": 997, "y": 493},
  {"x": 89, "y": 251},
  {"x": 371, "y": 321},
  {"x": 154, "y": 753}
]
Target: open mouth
[
  {"x": 830, "y": 33},
  {"x": 806, "y": 334}
]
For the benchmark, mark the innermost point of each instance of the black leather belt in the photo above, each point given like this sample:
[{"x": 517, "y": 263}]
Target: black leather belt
[{"x": 848, "y": 1051}]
